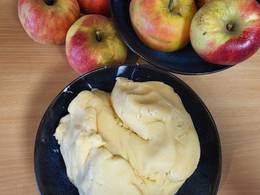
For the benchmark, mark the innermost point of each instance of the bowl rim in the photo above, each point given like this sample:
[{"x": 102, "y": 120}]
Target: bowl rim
[
  {"x": 150, "y": 61},
  {"x": 146, "y": 66}
]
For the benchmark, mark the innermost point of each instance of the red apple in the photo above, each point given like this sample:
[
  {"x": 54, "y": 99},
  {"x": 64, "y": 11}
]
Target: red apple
[
  {"x": 226, "y": 31},
  {"x": 162, "y": 25},
  {"x": 95, "y": 6},
  {"x": 47, "y": 21},
  {"x": 93, "y": 42}
]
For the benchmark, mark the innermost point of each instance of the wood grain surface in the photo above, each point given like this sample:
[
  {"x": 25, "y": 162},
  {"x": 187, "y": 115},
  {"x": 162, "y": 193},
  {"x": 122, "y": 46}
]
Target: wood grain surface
[{"x": 31, "y": 75}]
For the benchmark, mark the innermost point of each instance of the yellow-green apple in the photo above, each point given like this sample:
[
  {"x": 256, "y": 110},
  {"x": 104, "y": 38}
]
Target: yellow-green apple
[
  {"x": 95, "y": 6},
  {"x": 47, "y": 21},
  {"x": 226, "y": 31},
  {"x": 200, "y": 3},
  {"x": 162, "y": 25},
  {"x": 92, "y": 42}
]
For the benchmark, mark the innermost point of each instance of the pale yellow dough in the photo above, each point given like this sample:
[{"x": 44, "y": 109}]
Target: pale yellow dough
[{"x": 137, "y": 141}]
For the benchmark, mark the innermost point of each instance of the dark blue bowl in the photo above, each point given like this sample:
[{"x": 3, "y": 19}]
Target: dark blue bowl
[
  {"x": 49, "y": 166},
  {"x": 184, "y": 61}
]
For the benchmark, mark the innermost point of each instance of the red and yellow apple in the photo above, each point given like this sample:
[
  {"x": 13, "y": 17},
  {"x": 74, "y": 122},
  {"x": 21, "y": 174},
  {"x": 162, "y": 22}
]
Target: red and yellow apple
[
  {"x": 162, "y": 25},
  {"x": 95, "y": 6},
  {"x": 47, "y": 21},
  {"x": 226, "y": 31},
  {"x": 93, "y": 42}
]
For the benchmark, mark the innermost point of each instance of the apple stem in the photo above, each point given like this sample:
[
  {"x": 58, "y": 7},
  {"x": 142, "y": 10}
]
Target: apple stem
[
  {"x": 98, "y": 36},
  {"x": 171, "y": 5},
  {"x": 230, "y": 27},
  {"x": 49, "y": 2}
]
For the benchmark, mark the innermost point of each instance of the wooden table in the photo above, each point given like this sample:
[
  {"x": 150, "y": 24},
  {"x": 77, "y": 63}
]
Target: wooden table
[{"x": 31, "y": 75}]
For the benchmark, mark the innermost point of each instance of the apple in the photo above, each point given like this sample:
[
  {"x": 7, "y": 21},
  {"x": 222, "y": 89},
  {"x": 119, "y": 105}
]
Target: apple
[
  {"x": 95, "y": 6},
  {"x": 200, "y": 3},
  {"x": 93, "y": 42},
  {"x": 47, "y": 21},
  {"x": 226, "y": 31},
  {"x": 162, "y": 25}
]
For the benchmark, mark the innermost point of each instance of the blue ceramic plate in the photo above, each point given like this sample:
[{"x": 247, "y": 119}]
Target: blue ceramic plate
[
  {"x": 49, "y": 166},
  {"x": 184, "y": 61}
]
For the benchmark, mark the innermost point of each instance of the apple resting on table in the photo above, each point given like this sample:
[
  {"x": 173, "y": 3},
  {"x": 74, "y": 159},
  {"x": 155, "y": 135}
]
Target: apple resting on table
[
  {"x": 162, "y": 25},
  {"x": 93, "y": 42},
  {"x": 226, "y": 31},
  {"x": 47, "y": 21},
  {"x": 95, "y": 6}
]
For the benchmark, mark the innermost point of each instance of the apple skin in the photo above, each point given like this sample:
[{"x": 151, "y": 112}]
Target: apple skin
[
  {"x": 211, "y": 38},
  {"x": 95, "y": 6},
  {"x": 48, "y": 24},
  {"x": 86, "y": 52},
  {"x": 158, "y": 27}
]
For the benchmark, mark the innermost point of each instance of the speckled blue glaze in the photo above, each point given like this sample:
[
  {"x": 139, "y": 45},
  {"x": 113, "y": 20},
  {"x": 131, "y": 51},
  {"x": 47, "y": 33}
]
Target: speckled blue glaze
[
  {"x": 184, "y": 61},
  {"x": 49, "y": 166}
]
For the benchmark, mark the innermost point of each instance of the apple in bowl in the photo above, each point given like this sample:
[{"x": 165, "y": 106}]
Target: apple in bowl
[
  {"x": 47, "y": 21},
  {"x": 162, "y": 25},
  {"x": 226, "y": 32},
  {"x": 93, "y": 42}
]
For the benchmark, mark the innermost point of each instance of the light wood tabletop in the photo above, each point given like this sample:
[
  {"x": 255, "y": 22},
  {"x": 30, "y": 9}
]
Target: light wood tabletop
[{"x": 31, "y": 75}]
